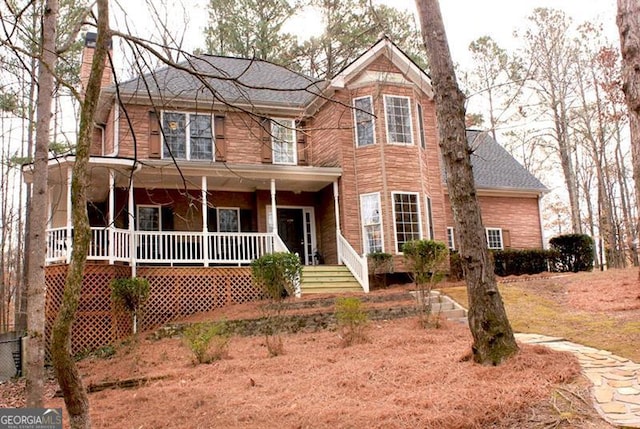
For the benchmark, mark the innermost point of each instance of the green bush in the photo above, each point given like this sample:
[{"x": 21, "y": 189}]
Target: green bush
[
  {"x": 352, "y": 320},
  {"x": 130, "y": 294},
  {"x": 517, "y": 262},
  {"x": 277, "y": 274},
  {"x": 207, "y": 341},
  {"x": 574, "y": 252},
  {"x": 380, "y": 264}
]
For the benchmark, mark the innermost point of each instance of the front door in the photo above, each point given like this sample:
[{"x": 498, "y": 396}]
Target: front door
[{"x": 291, "y": 230}]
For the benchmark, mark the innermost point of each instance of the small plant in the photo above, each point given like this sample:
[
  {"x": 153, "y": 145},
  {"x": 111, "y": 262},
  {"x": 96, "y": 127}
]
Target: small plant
[
  {"x": 426, "y": 260},
  {"x": 380, "y": 264},
  {"x": 130, "y": 294},
  {"x": 352, "y": 320},
  {"x": 208, "y": 341},
  {"x": 278, "y": 274}
]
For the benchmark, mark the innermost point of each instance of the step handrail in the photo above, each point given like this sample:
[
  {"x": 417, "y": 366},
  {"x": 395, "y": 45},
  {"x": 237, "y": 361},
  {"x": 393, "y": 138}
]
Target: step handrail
[{"x": 355, "y": 263}]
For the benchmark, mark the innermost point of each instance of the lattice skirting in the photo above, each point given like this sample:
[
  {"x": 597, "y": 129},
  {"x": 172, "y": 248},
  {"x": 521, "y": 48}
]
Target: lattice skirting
[{"x": 175, "y": 292}]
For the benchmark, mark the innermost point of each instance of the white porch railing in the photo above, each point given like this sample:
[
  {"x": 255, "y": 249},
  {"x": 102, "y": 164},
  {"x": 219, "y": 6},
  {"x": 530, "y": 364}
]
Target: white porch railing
[
  {"x": 355, "y": 263},
  {"x": 175, "y": 247}
]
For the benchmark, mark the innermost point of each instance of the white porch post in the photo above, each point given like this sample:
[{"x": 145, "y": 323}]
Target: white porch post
[
  {"x": 205, "y": 226},
  {"x": 112, "y": 204},
  {"x": 336, "y": 208},
  {"x": 132, "y": 238},
  {"x": 69, "y": 215},
  {"x": 274, "y": 210}
]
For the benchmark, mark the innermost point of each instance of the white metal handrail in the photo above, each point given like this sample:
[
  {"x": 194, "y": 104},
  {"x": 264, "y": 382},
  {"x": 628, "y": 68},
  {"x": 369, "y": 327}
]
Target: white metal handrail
[{"x": 355, "y": 263}]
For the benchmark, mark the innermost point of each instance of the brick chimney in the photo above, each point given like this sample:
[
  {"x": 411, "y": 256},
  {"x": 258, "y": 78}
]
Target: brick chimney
[{"x": 87, "y": 59}]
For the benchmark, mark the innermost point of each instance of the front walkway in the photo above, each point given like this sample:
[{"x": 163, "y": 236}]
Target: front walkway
[{"x": 616, "y": 380}]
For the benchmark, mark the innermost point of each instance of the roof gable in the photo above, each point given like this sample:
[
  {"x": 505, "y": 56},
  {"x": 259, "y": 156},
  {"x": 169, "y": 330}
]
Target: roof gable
[{"x": 398, "y": 58}]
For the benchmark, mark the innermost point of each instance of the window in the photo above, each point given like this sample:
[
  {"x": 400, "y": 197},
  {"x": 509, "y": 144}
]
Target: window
[
  {"x": 398, "y": 116},
  {"x": 363, "y": 116},
  {"x": 406, "y": 215},
  {"x": 429, "y": 219},
  {"x": 451, "y": 241},
  {"x": 228, "y": 220},
  {"x": 283, "y": 141},
  {"x": 371, "y": 222},
  {"x": 187, "y": 136},
  {"x": 423, "y": 143},
  {"x": 149, "y": 218},
  {"x": 494, "y": 238}
]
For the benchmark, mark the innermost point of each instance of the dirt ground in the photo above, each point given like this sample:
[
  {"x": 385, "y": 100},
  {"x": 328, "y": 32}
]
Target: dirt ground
[{"x": 403, "y": 377}]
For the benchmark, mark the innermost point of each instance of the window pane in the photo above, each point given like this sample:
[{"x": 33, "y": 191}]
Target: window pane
[
  {"x": 201, "y": 140},
  {"x": 283, "y": 142},
  {"x": 450, "y": 238},
  {"x": 398, "y": 120},
  {"x": 175, "y": 132},
  {"x": 372, "y": 226},
  {"x": 364, "y": 121},
  {"x": 407, "y": 218},
  {"x": 148, "y": 218},
  {"x": 494, "y": 238},
  {"x": 228, "y": 220}
]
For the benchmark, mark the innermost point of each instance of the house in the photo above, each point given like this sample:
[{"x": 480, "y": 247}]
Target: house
[{"x": 194, "y": 175}]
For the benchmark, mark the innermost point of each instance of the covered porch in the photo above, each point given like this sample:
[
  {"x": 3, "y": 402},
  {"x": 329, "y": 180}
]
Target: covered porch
[{"x": 201, "y": 214}]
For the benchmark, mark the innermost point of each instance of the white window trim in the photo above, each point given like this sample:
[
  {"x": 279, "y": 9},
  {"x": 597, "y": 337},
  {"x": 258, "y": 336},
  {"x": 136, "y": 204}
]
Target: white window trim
[
  {"x": 292, "y": 127},
  {"x": 156, "y": 206},
  {"x": 364, "y": 235},
  {"x": 451, "y": 234},
  {"x": 386, "y": 121},
  {"x": 236, "y": 209},
  {"x": 486, "y": 230},
  {"x": 373, "y": 121},
  {"x": 187, "y": 135},
  {"x": 393, "y": 208}
]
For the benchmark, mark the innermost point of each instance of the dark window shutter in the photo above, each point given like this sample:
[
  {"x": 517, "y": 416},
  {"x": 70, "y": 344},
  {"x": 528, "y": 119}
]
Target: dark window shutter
[
  {"x": 154, "y": 135},
  {"x": 221, "y": 141},
  {"x": 301, "y": 135},
  {"x": 506, "y": 238},
  {"x": 265, "y": 140},
  {"x": 246, "y": 220},
  {"x": 167, "y": 218},
  {"x": 212, "y": 219}
]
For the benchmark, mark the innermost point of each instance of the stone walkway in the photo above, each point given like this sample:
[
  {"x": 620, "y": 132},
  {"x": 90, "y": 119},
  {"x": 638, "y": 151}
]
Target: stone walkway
[{"x": 616, "y": 380}]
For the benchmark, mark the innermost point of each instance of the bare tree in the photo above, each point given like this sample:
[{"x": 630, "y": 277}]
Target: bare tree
[
  {"x": 75, "y": 395},
  {"x": 628, "y": 21},
  {"x": 493, "y": 339}
]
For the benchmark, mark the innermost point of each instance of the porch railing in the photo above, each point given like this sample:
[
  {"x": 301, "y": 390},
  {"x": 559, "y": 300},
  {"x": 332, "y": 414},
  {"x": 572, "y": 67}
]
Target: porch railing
[
  {"x": 175, "y": 247},
  {"x": 355, "y": 263}
]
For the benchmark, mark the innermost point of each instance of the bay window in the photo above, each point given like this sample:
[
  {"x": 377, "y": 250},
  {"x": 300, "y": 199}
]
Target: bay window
[
  {"x": 398, "y": 115},
  {"x": 371, "y": 222},
  {"x": 363, "y": 118},
  {"x": 406, "y": 217}
]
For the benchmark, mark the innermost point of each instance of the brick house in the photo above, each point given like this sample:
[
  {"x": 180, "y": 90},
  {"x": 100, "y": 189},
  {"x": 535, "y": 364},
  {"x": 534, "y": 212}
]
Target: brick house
[{"x": 192, "y": 175}]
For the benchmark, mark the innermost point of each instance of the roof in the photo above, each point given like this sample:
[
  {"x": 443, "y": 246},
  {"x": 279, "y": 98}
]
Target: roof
[
  {"x": 495, "y": 168},
  {"x": 228, "y": 80}
]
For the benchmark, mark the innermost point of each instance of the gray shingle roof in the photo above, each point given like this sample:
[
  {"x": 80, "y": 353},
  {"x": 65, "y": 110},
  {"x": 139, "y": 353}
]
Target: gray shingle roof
[
  {"x": 234, "y": 80},
  {"x": 495, "y": 168}
]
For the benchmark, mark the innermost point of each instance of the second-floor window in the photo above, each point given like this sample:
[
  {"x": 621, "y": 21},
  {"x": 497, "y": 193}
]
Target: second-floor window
[
  {"x": 398, "y": 116},
  {"x": 363, "y": 116},
  {"x": 187, "y": 136},
  {"x": 283, "y": 141}
]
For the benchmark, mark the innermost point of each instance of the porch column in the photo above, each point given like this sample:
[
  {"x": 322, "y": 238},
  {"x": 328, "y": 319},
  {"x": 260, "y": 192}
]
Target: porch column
[
  {"x": 112, "y": 204},
  {"x": 336, "y": 209},
  {"x": 274, "y": 210},
  {"x": 69, "y": 239},
  {"x": 132, "y": 238},
  {"x": 205, "y": 226}
]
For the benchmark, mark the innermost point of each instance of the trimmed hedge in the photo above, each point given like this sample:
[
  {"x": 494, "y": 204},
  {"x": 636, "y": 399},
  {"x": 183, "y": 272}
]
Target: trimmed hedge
[{"x": 517, "y": 262}]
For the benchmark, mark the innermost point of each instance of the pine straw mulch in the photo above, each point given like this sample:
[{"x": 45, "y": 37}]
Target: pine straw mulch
[{"x": 404, "y": 377}]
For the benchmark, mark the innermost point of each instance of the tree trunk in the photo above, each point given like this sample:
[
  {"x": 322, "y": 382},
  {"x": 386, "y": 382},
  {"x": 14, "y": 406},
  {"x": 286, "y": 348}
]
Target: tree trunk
[
  {"x": 493, "y": 339},
  {"x": 75, "y": 395},
  {"x": 38, "y": 211},
  {"x": 628, "y": 21}
]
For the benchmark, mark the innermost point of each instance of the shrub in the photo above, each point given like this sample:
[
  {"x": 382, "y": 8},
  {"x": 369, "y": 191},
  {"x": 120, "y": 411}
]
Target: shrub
[
  {"x": 278, "y": 274},
  {"x": 380, "y": 264},
  {"x": 130, "y": 294},
  {"x": 208, "y": 341},
  {"x": 426, "y": 260},
  {"x": 352, "y": 320},
  {"x": 574, "y": 252},
  {"x": 517, "y": 262}
]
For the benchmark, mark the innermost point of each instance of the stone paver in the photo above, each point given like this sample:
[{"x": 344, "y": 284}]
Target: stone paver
[{"x": 616, "y": 380}]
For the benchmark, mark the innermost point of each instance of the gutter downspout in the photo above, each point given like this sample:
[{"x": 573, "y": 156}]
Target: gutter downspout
[
  {"x": 116, "y": 130},
  {"x": 132, "y": 219}
]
